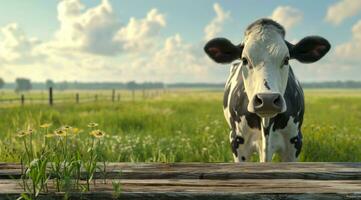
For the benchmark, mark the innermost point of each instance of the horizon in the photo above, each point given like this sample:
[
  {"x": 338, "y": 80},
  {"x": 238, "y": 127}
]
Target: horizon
[
  {"x": 142, "y": 82},
  {"x": 153, "y": 41}
]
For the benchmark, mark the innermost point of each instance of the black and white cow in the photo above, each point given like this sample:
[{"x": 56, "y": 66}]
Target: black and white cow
[{"x": 263, "y": 101}]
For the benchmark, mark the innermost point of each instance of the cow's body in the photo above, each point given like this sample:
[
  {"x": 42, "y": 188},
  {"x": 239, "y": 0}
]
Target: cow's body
[
  {"x": 263, "y": 101},
  {"x": 283, "y": 133}
]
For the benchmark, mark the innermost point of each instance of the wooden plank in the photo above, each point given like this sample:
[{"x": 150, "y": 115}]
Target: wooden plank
[
  {"x": 209, "y": 181},
  {"x": 219, "y": 171},
  {"x": 261, "y": 186},
  {"x": 187, "y": 196},
  {"x": 220, "y": 189}
]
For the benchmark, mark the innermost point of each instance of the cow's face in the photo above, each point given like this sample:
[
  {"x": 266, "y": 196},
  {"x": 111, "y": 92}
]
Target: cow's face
[
  {"x": 265, "y": 62},
  {"x": 265, "y": 69}
]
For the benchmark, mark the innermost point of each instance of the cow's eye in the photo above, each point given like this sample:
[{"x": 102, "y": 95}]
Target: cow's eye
[
  {"x": 244, "y": 61},
  {"x": 285, "y": 62}
]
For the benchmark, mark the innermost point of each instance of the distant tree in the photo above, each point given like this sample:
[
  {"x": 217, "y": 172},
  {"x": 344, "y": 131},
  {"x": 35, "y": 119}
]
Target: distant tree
[
  {"x": 63, "y": 85},
  {"x": 23, "y": 84},
  {"x": 132, "y": 85},
  {"x": 2, "y": 83},
  {"x": 153, "y": 85},
  {"x": 49, "y": 83}
]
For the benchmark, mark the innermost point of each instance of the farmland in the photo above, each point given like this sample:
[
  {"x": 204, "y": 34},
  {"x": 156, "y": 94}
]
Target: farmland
[{"x": 177, "y": 126}]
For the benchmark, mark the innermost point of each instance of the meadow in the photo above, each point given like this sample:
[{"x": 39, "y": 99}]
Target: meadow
[{"x": 177, "y": 126}]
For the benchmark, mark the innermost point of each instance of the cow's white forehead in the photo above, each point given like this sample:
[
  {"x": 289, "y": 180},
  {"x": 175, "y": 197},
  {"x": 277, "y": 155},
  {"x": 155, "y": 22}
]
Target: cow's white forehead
[
  {"x": 262, "y": 25},
  {"x": 264, "y": 42}
]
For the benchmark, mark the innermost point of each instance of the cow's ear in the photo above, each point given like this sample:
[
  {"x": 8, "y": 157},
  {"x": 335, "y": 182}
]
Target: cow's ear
[
  {"x": 222, "y": 50},
  {"x": 309, "y": 49}
]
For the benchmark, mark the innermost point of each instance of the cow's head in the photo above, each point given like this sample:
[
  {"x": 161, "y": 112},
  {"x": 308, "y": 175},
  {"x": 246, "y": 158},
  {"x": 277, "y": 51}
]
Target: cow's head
[{"x": 265, "y": 56}]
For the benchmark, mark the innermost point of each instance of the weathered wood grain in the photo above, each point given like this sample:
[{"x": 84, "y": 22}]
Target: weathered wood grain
[
  {"x": 212, "y": 189},
  {"x": 208, "y": 181},
  {"x": 188, "y": 196},
  {"x": 218, "y": 171},
  {"x": 195, "y": 185}
]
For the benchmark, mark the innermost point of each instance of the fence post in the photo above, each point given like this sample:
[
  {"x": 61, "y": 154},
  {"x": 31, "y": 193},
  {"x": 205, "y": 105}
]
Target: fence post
[
  {"x": 96, "y": 97},
  {"x": 113, "y": 95},
  {"x": 77, "y": 97},
  {"x": 22, "y": 99},
  {"x": 50, "y": 96}
]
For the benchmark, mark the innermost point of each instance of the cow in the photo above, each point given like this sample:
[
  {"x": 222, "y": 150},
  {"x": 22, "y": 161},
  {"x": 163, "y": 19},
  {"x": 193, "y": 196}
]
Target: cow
[{"x": 263, "y": 101}]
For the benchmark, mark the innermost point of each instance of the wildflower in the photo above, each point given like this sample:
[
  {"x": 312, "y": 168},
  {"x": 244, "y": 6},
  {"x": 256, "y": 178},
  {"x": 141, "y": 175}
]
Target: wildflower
[
  {"x": 60, "y": 132},
  {"x": 67, "y": 128},
  {"x": 92, "y": 125},
  {"x": 46, "y": 125},
  {"x": 22, "y": 133},
  {"x": 76, "y": 131},
  {"x": 97, "y": 133},
  {"x": 30, "y": 131}
]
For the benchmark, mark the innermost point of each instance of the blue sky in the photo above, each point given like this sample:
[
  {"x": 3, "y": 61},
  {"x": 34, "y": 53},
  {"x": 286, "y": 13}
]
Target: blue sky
[{"x": 162, "y": 40}]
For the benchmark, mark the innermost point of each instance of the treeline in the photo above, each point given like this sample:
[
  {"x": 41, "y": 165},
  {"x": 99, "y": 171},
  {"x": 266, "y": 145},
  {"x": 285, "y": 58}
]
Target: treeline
[
  {"x": 333, "y": 84},
  {"x": 23, "y": 84}
]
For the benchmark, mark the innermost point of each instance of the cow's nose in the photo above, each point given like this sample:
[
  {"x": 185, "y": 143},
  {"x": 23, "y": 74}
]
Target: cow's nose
[{"x": 267, "y": 103}]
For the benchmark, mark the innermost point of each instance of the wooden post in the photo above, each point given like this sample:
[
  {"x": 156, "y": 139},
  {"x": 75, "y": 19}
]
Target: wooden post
[
  {"x": 22, "y": 99},
  {"x": 113, "y": 95},
  {"x": 77, "y": 97},
  {"x": 50, "y": 96},
  {"x": 96, "y": 97}
]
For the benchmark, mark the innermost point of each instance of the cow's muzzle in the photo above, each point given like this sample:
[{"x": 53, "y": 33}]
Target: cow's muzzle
[{"x": 267, "y": 104}]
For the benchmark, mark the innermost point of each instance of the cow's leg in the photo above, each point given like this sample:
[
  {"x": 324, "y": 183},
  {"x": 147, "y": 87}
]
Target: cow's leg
[
  {"x": 241, "y": 148},
  {"x": 293, "y": 146}
]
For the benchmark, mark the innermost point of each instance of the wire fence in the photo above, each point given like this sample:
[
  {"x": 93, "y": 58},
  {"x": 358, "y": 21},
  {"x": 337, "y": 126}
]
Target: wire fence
[{"x": 52, "y": 97}]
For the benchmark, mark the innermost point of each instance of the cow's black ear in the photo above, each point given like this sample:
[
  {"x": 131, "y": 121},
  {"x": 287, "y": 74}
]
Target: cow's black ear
[
  {"x": 222, "y": 50},
  {"x": 309, "y": 49}
]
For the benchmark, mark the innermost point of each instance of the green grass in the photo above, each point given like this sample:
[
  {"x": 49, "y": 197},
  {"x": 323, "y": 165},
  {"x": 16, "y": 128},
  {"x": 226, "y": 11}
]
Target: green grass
[{"x": 185, "y": 126}]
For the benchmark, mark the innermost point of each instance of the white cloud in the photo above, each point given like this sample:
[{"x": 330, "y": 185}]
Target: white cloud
[
  {"x": 97, "y": 30},
  {"x": 287, "y": 16},
  {"x": 92, "y": 45},
  {"x": 325, "y": 70},
  {"x": 90, "y": 30},
  {"x": 176, "y": 60},
  {"x": 352, "y": 49},
  {"x": 341, "y": 10},
  {"x": 138, "y": 34},
  {"x": 146, "y": 55},
  {"x": 216, "y": 25},
  {"x": 15, "y": 46}
]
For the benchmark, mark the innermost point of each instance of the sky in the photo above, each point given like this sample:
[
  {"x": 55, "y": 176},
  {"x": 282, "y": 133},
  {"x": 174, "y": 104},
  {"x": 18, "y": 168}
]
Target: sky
[{"x": 162, "y": 40}]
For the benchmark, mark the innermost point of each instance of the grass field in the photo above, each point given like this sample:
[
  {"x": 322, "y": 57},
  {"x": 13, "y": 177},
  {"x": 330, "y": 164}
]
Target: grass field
[{"x": 181, "y": 126}]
